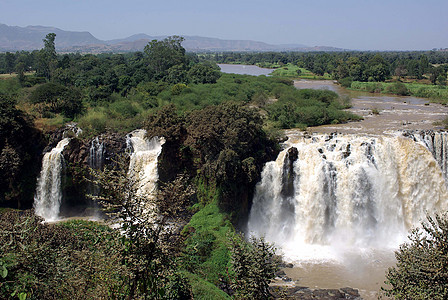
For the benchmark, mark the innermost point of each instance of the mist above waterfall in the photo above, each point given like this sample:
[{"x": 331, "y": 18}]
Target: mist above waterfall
[{"x": 347, "y": 194}]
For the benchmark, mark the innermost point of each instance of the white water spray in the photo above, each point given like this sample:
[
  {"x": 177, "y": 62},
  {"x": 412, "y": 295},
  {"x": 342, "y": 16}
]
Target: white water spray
[
  {"x": 47, "y": 200},
  {"x": 143, "y": 164},
  {"x": 346, "y": 193}
]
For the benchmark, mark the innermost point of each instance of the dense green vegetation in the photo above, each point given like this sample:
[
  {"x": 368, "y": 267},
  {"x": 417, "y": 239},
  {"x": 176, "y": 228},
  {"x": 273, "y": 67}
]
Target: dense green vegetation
[
  {"x": 422, "y": 264},
  {"x": 74, "y": 260},
  {"x": 20, "y": 147}
]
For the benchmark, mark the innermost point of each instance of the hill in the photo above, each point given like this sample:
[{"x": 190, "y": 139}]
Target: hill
[{"x": 15, "y": 38}]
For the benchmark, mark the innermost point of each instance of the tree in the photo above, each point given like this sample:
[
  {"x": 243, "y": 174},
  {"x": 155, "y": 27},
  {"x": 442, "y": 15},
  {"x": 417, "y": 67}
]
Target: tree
[
  {"x": 422, "y": 263},
  {"x": 204, "y": 73},
  {"x": 162, "y": 55},
  {"x": 20, "y": 69},
  {"x": 47, "y": 56},
  {"x": 401, "y": 71},
  {"x": 9, "y": 62},
  {"x": 148, "y": 224},
  {"x": 253, "y": 267},
  {"x": 19, "y": 155}
]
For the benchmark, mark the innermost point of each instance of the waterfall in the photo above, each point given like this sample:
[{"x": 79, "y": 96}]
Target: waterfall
[
  {"x": 437, "y": 144},
  {"x": 349, "y": 192},
  {"x": 47, "y": 200},
  {"x": 143, "y": 164},
  {"x": 96, "y": 153},
  {"x": 96, "y": 161}
]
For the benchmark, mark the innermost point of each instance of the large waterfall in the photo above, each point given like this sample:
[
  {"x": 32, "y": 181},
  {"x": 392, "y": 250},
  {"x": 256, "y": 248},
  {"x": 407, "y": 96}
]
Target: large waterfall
[
  {"x": 143, "y": 163},
  {"x": 47, "y": 199},
  {"x": 327, "y": 194}
]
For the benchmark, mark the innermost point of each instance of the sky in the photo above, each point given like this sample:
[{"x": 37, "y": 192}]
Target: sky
[{"x": 348, "y": 24}]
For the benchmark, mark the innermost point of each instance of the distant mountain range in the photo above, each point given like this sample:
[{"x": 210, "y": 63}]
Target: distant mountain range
[{"x": 15, "y": 38}]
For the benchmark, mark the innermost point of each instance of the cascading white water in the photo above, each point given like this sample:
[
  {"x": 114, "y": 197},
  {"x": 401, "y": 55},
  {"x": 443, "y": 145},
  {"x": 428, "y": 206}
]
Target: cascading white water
[
  {"x": 47, "y": 200},
  {"x": 437, "y": 144},
  {"x": 143, "y": 163},
  {"x": 96, "y": 153},
  {"x": 96, "y": 161},
  {"x": 346, "y": 193}
]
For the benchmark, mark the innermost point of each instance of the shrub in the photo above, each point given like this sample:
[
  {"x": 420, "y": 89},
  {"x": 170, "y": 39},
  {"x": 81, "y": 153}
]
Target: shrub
[
  {"x": 73, "y": 260},
  {"x": 398, "y": 88},
  {"x": 422, "y": 263},
  {"x": 346, "y": 82},
  {"x": 253, "y": 267}
]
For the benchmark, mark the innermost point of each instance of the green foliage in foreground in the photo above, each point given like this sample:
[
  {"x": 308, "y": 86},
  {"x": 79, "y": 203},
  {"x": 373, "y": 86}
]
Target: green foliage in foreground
[
  {"x": 436, "y": 93},
  {"x": 216, "y": 254},
  {"x": 422, "y": 263},
  {"x": 75, "y": 260}
]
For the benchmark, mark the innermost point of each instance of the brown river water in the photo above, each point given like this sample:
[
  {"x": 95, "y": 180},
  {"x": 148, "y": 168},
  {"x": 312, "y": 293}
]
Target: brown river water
[
  {"x": 363, "y": 271},
  {"x": 395, "y": 112}
]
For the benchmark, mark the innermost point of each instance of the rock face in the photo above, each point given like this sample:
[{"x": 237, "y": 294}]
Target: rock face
[
  {"x": 298, "y": 292},
  {"x": 78, "y": 160},
  {"x": 288, "y": 172}
]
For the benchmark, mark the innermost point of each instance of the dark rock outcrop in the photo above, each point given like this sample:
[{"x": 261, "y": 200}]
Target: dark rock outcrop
[
  {"x": 76, "y": 185},
  {"x": 298, "y": 292},
  {"x": 288, "y": 172}
]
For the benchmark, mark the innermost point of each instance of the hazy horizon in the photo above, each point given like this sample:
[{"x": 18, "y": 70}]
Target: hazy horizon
[{"x": 356, "y": 25}]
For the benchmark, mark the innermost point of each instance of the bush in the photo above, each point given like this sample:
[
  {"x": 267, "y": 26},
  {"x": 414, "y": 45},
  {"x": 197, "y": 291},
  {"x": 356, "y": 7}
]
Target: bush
[
  {"x": 253, "y": 267},
  {"x": 398, "y": 88},
  {"x": 73, "y": 260},
  {"x": 346, "y": 82},
  {"x": 422, "y": 263},
  {"x": 94, "y": 121}
]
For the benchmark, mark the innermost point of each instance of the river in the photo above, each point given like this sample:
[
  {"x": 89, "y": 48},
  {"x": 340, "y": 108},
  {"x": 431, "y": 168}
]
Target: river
[
  {"x": 244, "y": 69},
  {"x": 341, "y": 209},
  {"x": 395, "y": 112}
]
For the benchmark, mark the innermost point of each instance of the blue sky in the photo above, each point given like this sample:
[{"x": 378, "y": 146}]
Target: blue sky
[{"x": 360, "y": 24}]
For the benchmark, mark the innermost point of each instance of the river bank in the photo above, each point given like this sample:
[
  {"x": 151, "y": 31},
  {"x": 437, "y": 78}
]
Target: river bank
[
  {"x": 381, "y": 112},
  {"x": 435, "y": 93}
]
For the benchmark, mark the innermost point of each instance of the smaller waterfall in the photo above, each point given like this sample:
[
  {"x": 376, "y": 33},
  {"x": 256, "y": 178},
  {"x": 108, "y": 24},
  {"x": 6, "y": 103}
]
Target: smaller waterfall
[
  {"x": 143, "y": 164},
  {"x": 96, "y": 161},
  {"x": 96, "y": 154},
  {"x": 47, "y": 200}
]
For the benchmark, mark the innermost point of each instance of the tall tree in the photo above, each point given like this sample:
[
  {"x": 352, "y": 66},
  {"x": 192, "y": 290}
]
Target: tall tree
[
  {"x": 47, "y": 56},
  {"x": 162, "y": 55},
  {"x": 9, "y": 62}
]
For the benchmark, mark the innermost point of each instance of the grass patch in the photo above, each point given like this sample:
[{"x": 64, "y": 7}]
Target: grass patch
[
  {"x": 207, "y": 254},
  {"x": 204, "y": 290}
]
